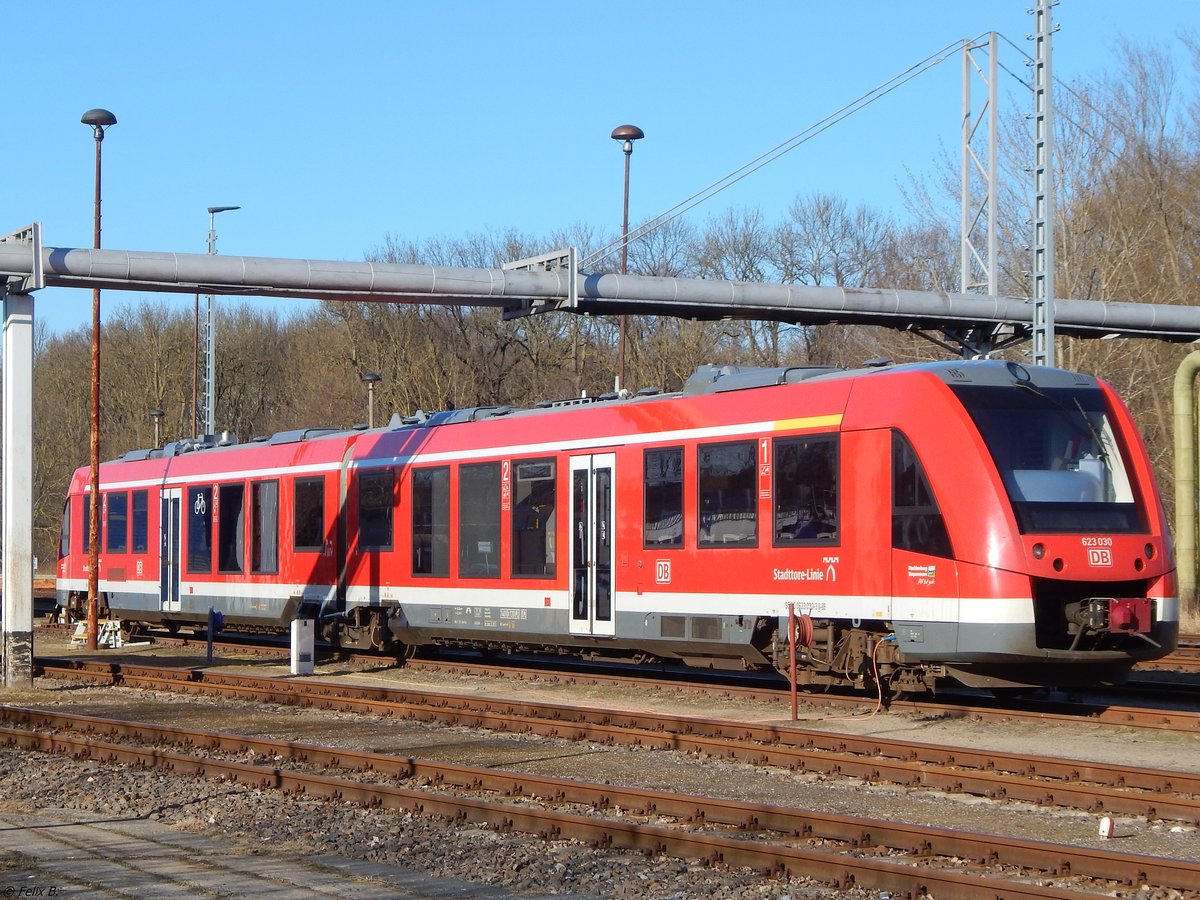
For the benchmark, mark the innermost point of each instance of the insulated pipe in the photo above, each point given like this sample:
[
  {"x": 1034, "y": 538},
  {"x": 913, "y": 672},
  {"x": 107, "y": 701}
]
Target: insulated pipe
[
  {"x": 1185, "y": 478},
  {"x": 598, "y": 294}
]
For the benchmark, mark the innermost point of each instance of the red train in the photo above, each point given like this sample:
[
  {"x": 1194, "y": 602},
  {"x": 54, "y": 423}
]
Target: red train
[{"x": 979, "y": 520}]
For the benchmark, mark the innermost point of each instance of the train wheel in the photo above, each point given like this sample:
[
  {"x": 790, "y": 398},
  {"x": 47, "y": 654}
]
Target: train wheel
[{"x": 366, "y": 629}]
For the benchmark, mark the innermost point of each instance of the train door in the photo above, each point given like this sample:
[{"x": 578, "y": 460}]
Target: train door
[
  {"x": 592, "y": 516},
  {"x": 924, "y": 574},
  {"x": 168, "y": 568}
]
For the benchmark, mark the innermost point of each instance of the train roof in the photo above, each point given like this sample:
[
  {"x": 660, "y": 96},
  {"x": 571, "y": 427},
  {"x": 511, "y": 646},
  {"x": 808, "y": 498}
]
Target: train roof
[{"x": 706, "y": 380}]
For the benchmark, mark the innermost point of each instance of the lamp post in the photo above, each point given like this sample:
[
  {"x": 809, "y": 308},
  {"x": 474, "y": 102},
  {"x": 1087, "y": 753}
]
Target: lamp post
[
  {"x": 157, "y": 415},
  {"x": 369, "y": 379},
  {"x": 210, "y": 334},
  {"x": 627, "y": 134},
  {"x": 99, "y": 119}
]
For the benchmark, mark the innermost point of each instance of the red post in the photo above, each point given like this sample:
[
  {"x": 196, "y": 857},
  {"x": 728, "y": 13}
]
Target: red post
[
  {"x": 792, "y": 658},
  {"x": 94, "y": 441}
]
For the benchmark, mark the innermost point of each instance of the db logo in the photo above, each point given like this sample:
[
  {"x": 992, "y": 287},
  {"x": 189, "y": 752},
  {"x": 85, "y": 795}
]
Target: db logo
[
  {"x": 662, "y": 571},
  {"x": 1098, "y": 556}
]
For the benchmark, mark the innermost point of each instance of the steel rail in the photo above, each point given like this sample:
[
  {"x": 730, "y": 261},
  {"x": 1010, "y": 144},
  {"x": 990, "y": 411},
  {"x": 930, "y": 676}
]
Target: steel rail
[
  {"x": 1044, "y": 780},
  {"x": 1035, "y": 711},
  {"x": 700, "y": 812},
  {"x": 1184, "y": 659}
]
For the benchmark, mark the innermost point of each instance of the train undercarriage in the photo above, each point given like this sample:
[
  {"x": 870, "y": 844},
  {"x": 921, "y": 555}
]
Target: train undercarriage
[
  {"x": 826, "y": 653},
  {"x": 831, "y": 654}
]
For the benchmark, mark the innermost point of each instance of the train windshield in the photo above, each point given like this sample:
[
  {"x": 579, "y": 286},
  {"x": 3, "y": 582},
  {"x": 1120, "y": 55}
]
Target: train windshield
[{"x": 1055, "y": 450}]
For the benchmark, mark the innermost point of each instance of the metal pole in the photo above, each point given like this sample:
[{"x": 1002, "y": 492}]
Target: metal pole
[
  {"x": 627, "y": 134},
  {"x": 975, "y": 166},
  {"x": 210, "y": 342},
  {"x": 196, "y": 368},
  {"x": 210, "y": 345},
  {"x": 93, "y": 621},
  {"x": 964, "y": 190},
  {"x": 98, "y": 119},
  {"x": 1043, "y": 178},
  {"x": 628, "y": 148},
  {"x": 993, "y": 214},
  {"x": 369, "y": 379},
  {"x": 792, "y": 659}
]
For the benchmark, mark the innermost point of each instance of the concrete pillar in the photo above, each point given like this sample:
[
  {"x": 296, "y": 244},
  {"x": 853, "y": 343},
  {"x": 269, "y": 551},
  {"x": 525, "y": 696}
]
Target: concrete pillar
[
  {"x": 303, "y": 635},
  {"x": 18, "y": 489}
]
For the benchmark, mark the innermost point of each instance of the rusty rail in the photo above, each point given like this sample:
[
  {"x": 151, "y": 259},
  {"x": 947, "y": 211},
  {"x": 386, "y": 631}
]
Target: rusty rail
[
  {"x": 1078, "y": 784},
  {"x": 871, "y": 836}
]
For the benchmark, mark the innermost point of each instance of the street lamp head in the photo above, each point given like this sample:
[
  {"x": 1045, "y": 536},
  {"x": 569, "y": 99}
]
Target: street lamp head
[
  {"x": 212, "y": 210},
  {"x": 370, "y": 377},
  {"x": 99, "y": 119},
  {"x": 157, "y": 415},
  {"x": 627, "y": 134}
]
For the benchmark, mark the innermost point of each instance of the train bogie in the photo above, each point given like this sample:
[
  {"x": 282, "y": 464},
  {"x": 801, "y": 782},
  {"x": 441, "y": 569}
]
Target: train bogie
[{"x": 882, "y": 527}]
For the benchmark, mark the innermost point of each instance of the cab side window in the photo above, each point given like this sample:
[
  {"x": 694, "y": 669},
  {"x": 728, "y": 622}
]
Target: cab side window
[{"x": 917, "y": 523}]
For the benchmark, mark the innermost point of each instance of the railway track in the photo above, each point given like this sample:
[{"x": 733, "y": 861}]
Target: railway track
[
  {"x": 1185, "y": 657},
  {"x": 1156, "y": 714},
  {"x": 841, "y": 850},
  {"x": 1152, "y": 716},
  {"x": 1049, "y": 781}
]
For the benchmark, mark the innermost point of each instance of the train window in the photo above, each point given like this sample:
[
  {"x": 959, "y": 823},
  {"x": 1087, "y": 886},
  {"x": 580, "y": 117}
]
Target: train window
[
  {"x": 805, "y": 490},
  {"x": 264, "y": 526},
  {"x": 117, "y": 534},
  {"x": 662, "y": 522},
  {"x": 431, "y": 521},
  {"x": 141, "y": 524},
  {"x": 917, "y": 523},
  {"x": 1058, "y": 455},
  {"x": 535, "y": 501},
  {"x": 728, "y": 511},
  {"x": 231, "y": 538},
  {"x": 199, "y": 538},
  {"x": 64, "y": 534},
  {"x": 479, "y": 521},
  {"x": 375, "y": 501},
  {"x": 308, "y": 511}
]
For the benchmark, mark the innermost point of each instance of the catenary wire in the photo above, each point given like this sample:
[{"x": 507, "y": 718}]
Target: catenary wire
[{"x": 861, "y": 102}]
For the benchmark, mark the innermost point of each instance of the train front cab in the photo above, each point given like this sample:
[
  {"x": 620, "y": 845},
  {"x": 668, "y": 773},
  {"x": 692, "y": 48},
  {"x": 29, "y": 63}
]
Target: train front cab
[
  {"x": 128, "y": 557},
  {"x": 1054, "y": 534}
]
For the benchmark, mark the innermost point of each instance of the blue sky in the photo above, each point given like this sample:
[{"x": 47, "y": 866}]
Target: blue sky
[{"x": 336, "y": 124}]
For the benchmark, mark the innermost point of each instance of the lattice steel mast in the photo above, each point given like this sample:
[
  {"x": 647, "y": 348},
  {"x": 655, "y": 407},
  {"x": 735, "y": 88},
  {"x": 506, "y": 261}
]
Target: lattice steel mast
[{"x": 1043, "y": 179}]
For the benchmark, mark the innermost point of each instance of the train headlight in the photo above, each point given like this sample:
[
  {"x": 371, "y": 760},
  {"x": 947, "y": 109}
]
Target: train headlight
[
  {"x": 1149, "y": 551},
  {"x": 1039, "y": 550},
  {"x": 1019, "y": 373}
]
